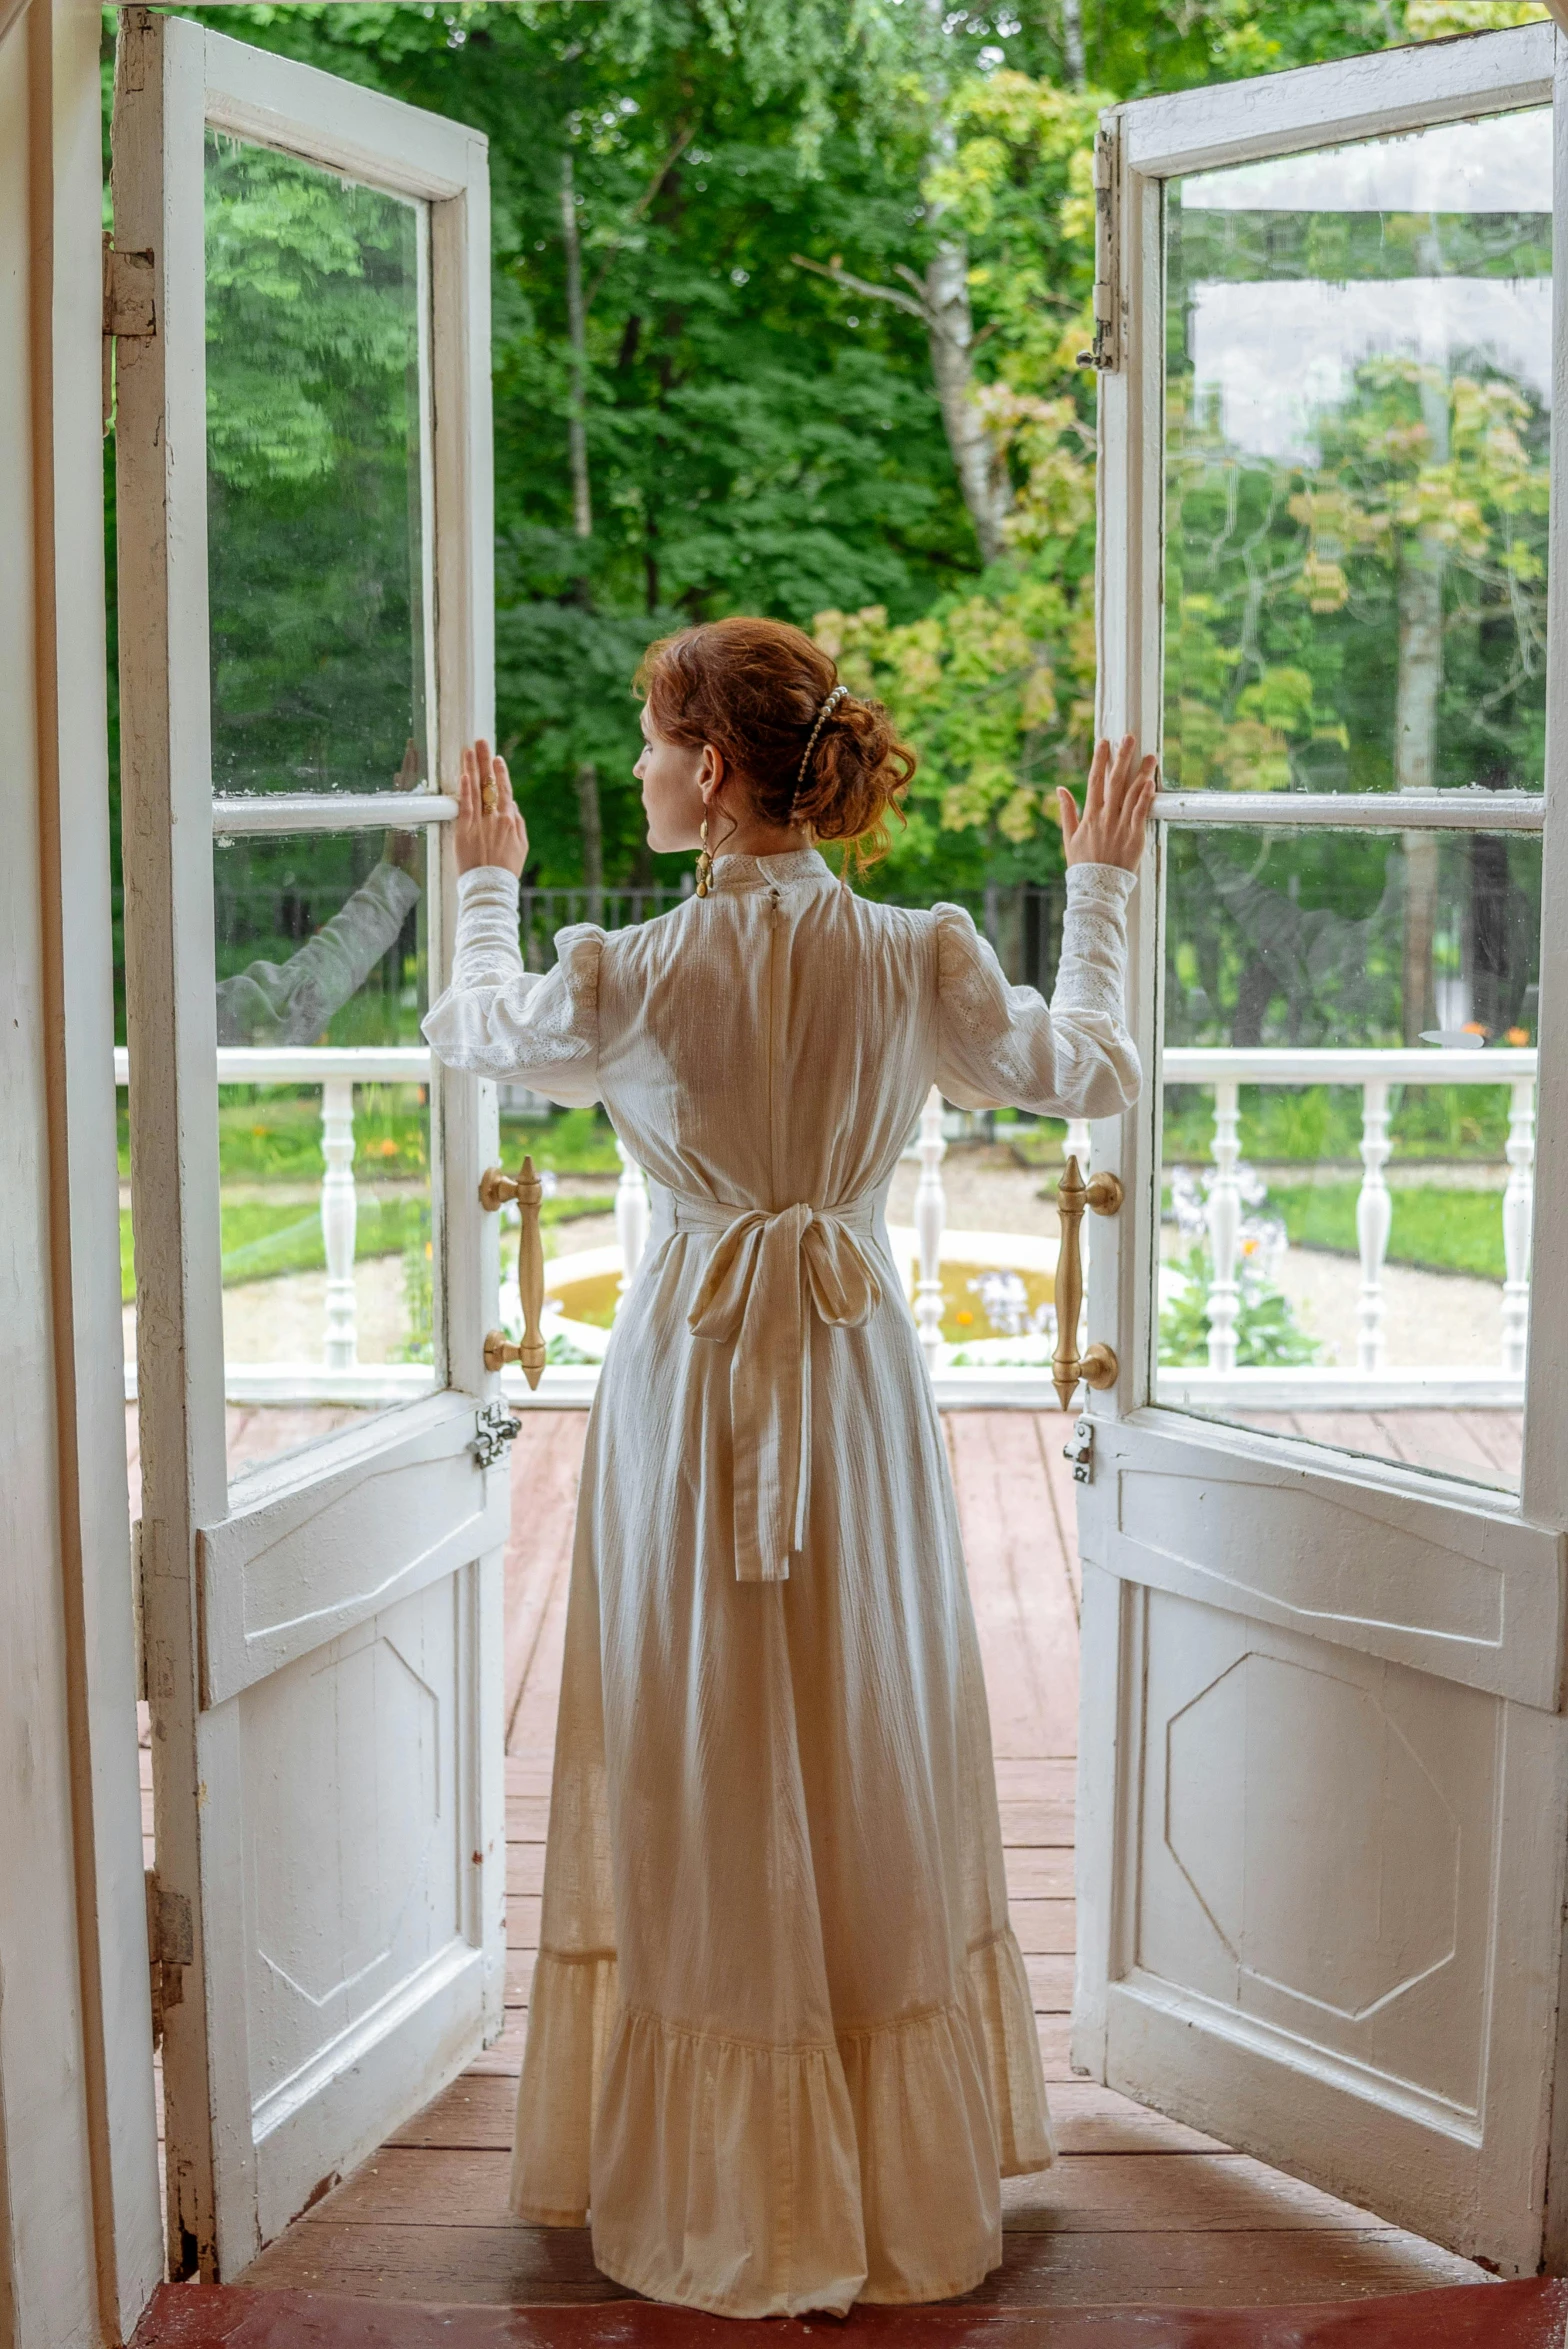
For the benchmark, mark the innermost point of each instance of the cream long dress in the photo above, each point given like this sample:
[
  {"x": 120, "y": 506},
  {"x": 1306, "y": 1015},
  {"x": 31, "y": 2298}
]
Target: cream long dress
[{"x": 781, "y": 2046}]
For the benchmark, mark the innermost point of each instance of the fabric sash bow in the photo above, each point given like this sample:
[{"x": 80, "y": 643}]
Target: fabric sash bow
[{"x": 755, "y": 1290}]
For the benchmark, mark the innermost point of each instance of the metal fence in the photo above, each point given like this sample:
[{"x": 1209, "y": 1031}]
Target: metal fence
[{"x": 1022, "y": 920}]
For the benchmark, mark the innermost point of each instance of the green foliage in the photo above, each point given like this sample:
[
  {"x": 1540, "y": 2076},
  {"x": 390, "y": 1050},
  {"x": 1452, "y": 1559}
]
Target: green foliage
[
  {"x": 313, "y": 517},
  {"x": 1443, "y": 1230},
  {"x": 265, "y": 1237},
  {"x": 1318, "y": 1124},
  {"x": 1268, "y": 1334},
  {"x": 570, "y": 1141},
  {"x": 756, "y": 440},
  {"x": 418, "y": 1343}
]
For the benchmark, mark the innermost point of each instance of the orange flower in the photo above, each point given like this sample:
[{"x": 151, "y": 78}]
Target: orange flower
[{"x": 1517, "y": 1036}]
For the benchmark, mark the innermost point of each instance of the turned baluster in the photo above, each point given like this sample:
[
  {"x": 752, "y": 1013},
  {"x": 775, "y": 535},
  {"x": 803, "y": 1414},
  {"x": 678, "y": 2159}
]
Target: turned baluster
[
  {"x": 1518, "y": 1215},
  {"x": 1374, "y": 1216},
  {"x": 339, "y": 1216},
  {"x": 632, "y": 1214},
  {"x": 930, "y": 1216},
  {"x": 1224, "y": 1221}
]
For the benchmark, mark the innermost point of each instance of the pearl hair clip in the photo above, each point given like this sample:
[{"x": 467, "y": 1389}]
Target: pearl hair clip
[{"x": 838, "y": 694}]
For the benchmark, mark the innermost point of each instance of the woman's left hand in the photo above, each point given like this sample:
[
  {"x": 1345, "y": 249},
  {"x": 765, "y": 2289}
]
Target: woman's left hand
[
  {"x": 1116, "y": 807},
  {"x": 490, "y": 830}
]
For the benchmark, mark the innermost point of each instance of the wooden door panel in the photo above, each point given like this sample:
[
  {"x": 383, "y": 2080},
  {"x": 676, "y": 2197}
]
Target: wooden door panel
[
  {"x": 324, "y": 1634},
  {"x": 1468, "y": 1592},
  {"x": 299, "y": 1567},
  {"x": 350, "y": 1760},
  {"x": 1318, "y": 1847}
]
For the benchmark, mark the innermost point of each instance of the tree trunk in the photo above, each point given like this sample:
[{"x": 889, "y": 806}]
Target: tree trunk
[
  {"x": 1420, "y": 677},
  {"x": 981, "y": 477},
  {"x": 1415, "y": 733},
  {"x": 1072, "y": 43},
  {"x": 951, "y": 331}
]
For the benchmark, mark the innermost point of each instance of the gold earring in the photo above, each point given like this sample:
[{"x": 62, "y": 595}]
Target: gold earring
[{"x": 704, "y": 863}]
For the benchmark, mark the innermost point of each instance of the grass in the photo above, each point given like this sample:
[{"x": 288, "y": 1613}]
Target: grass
[
  {"x": 1441, "y": 1230},
  {"x": 262, "y": 1238},
  {"x": 1305, "y": 1124},
  {"x": 272, "y": 1134}
]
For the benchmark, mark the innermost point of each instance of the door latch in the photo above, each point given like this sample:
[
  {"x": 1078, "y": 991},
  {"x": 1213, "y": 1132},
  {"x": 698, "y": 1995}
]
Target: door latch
[
  {"x": 1079, "y": 1449},
  {"x": 494, "y": 1429}
]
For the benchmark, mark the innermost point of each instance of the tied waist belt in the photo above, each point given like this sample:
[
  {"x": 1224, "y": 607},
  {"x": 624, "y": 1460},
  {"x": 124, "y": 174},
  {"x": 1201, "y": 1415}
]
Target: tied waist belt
[{"x": 755, "y": 1290}]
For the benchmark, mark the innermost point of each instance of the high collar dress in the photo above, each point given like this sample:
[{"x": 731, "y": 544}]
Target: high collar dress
[{"x": 781, "y": 2047}]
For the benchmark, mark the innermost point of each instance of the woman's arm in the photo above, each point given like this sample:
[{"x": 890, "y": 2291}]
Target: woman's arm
[
  {"x": 1004, "y": 1046},
  {"x": 1000, "y": 1045},
  {"x": 497, "y": 1019}
]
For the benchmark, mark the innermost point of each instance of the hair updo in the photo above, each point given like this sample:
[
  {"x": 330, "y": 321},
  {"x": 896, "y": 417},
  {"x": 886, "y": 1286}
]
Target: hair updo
[{"x": 755, "y": 689}]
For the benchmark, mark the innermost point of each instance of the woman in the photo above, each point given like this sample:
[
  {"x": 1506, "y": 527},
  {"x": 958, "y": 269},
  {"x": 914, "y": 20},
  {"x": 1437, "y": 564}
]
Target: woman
[{"x": 780, "y": 2046}]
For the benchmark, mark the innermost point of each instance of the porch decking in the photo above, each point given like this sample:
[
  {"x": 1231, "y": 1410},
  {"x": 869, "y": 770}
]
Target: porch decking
[{"x": 1137, "y": 2209}]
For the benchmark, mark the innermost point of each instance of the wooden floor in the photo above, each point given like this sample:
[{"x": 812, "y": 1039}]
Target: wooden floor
[
  {"x": 1137, "y": 2210},
  {"x": 1483, "y": 1446}
]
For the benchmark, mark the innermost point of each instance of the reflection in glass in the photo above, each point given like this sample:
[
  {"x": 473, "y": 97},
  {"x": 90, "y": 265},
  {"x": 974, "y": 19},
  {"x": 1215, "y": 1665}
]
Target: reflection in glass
[
  {"x": 1365, "y": 1242},
  {"x": 1306, "y": 937},
  {"x": 1358, "y": 380},
  {"x": 314, "y": 466},
  {"x": 320, "y": 937},
  {"x": 328, "y": 1244}
]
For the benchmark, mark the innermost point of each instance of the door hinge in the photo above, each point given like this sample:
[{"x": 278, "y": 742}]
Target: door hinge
[
  {"x": 171, "y": 1946},
  {"x": 494, "y": 1429},
  {"x": 1105, "y": 351},
  {"x": 128, "y": 309},
  {"x": 1079, "y": 1449}
]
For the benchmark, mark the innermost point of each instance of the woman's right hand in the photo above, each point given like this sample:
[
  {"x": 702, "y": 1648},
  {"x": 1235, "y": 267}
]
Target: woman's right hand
[
  {"x": 492, "y": 834},
  {"x": 1116, "y": 807}
]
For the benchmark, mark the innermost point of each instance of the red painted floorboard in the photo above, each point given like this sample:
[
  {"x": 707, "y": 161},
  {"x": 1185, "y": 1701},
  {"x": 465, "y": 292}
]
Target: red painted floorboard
[{"x": 1529, "y": 2315}]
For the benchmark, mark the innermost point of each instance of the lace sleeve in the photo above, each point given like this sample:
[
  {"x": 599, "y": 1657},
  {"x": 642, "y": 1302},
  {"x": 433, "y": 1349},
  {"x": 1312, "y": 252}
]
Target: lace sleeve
[
  {"x": 291, "y": 1002},
  {"x": 1002, "y": 1045},
  {"x": 498, "y": 1019}
]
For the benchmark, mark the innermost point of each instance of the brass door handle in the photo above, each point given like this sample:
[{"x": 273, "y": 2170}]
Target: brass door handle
[
  {"x": 1097, "y": 1368},
  {"x": 495, "y": 1188}
]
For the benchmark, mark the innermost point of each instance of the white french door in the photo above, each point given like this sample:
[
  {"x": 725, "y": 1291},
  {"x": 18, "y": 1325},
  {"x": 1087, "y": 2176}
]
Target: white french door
[
  {"x": 304, "y": 524},
  {"x": 1324, "y": 1780}
]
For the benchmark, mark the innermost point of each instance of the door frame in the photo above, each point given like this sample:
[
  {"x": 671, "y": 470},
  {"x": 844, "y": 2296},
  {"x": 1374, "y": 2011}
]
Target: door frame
[
  {"x": 80, "y": 2231},
  {"x": 175, "y": 79},
  {"x": 1142, "y": 144}
]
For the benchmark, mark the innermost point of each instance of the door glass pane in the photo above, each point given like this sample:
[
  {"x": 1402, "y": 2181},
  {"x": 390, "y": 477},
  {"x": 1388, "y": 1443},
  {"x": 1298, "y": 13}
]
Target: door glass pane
[
  {"x": 324, "y": 1134},
  {"x": 1358, "y": 379},
  {"x": 316, "y": 460},
  {"x": 1348, "y": 1087}
]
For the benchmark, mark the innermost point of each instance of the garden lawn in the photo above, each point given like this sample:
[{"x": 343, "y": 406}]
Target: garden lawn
[
  {"x": 1443, "y": 1230},
  {"x": 261, "y": 1239}
]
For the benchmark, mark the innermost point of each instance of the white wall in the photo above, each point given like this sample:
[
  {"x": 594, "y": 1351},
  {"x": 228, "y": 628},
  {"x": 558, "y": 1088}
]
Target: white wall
[{"x": 79, "y": 2226}]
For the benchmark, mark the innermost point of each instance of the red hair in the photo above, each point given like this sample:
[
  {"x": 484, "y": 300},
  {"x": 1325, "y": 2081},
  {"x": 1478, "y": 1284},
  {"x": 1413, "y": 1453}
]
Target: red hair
[{"x": 755, "y": 689}]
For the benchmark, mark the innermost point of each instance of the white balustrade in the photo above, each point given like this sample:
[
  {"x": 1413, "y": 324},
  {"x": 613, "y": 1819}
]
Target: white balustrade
[
  {"x": 1374, "y": 1217},
  {"x": 1518, "y": 1215},
  {"x": 632, "y": 1214},
  {"x": 1224, "y": 1219},
  {"x": 1373, "y": 1071},
  {"x": 339, "y": 1219},
  {"x": 1222, "y": 1069},
  {"x": 930, "y": 1216}
]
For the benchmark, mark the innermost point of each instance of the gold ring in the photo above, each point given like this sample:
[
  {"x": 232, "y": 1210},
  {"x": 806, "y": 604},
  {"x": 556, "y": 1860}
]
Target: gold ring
[{"x": 489, "y": 799}]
